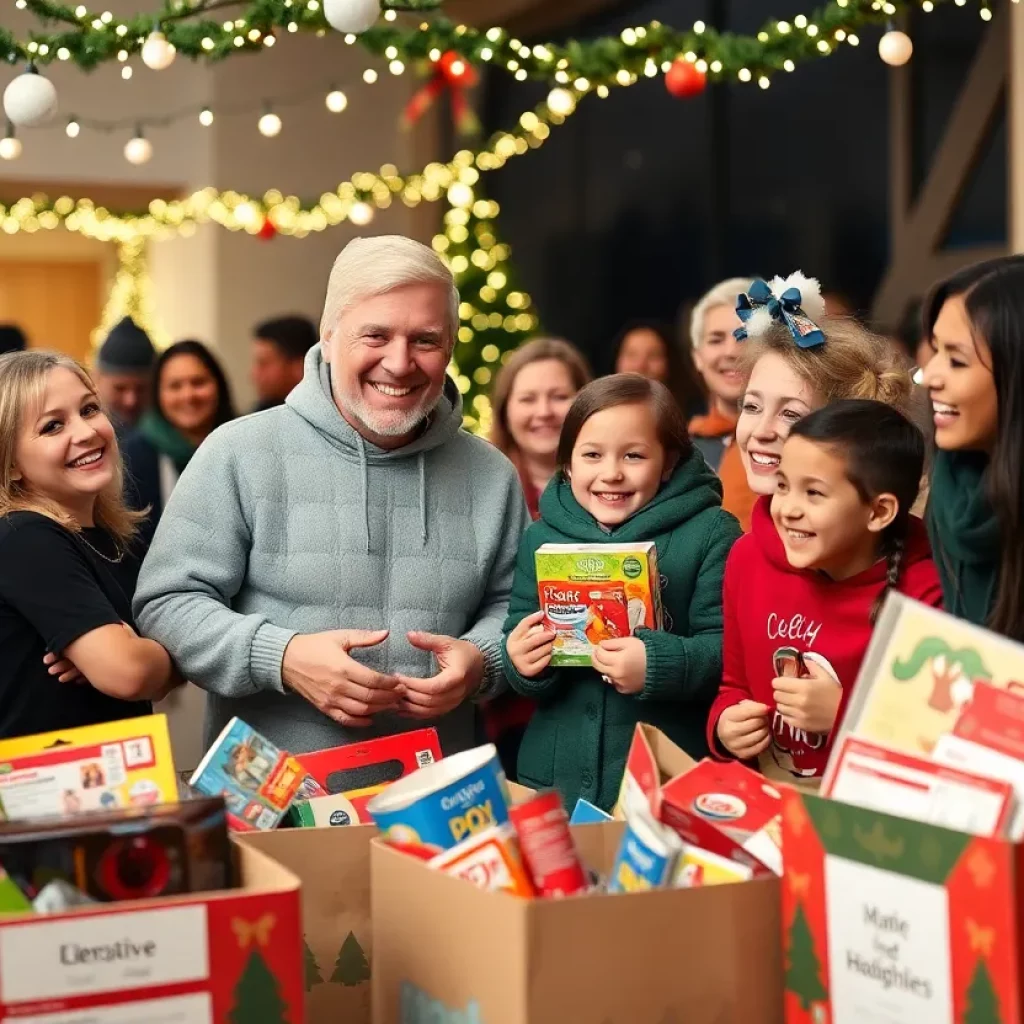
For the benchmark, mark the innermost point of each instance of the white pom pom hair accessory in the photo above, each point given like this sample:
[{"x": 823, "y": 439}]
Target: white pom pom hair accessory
[{"x": 794, "y": 302}]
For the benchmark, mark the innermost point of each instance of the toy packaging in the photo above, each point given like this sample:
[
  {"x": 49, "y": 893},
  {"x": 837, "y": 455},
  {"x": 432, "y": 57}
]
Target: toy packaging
[
  {"x": 257, "y": 780},
  {"x": 321, "y": 812},
  {"x": 97, "y": 767},
  {"x": 595, "y": 592},
  {"x": 124, "y": 854},
  {"x": 361, "y": 770},
  {"x": 585, "y": 813}
]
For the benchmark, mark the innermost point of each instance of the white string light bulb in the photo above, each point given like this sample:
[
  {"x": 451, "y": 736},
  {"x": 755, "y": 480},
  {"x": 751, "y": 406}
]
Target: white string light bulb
[
  {"x": 157, "y": 52},
  {"x": 10, "y": 145},
  {"x": 270, "y": 124},
  {"x": 138, "y": 150},
  {"x": 336, "y": 101}
]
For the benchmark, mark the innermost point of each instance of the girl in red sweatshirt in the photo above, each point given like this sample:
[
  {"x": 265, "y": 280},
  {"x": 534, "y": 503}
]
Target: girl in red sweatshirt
[{"x": 802, "y": 589}]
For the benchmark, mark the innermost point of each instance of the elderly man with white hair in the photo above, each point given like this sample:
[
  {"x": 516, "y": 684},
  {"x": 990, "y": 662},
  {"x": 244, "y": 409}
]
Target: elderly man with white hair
[{"x": 338, "y": 568}]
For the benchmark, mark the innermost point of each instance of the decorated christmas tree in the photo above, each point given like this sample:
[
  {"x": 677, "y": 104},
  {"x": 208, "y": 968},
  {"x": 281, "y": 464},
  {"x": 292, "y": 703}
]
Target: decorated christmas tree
[
  {"x": 803, "y": 971},
  {"x": 982, "y": 1001},
  {"x": 257, "y": 995},
  {"x": 495, "y": 316},
  {"x": 312, "y": 972},
  {"x": 351, "y": 967}
]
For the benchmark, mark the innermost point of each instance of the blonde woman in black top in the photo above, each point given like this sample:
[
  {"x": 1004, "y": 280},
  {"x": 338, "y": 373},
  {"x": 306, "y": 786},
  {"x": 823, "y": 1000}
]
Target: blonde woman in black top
[{"x": 69, "y": 653}]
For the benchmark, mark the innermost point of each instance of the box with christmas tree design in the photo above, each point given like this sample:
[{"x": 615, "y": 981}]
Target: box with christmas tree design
[
  {"x": 210, "y": 958},
  {"x": 887, "y": 919},
  {"x": 334, "y": 866}
]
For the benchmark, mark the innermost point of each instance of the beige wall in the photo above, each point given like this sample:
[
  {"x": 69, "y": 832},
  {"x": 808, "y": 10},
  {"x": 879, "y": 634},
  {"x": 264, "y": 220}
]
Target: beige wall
[{"x": 217, "y": 284}]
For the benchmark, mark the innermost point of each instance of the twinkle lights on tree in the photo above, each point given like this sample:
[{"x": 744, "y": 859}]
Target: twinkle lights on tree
[
  {"x": 495, "y": 316},
  {"x": 131, "y": 294}
]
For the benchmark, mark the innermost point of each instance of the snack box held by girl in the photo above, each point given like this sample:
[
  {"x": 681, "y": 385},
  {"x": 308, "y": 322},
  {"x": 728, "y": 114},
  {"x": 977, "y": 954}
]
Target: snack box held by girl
[{"x": 595, "y": 592}]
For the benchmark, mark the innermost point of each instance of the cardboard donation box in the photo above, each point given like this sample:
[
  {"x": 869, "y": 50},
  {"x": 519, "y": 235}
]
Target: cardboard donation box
[
  {"x": 888, "y": 919},
  {"x": 445, "y": 950},
  {"x": 203, "y": 958},
  {"x": 334, "y": 866}
]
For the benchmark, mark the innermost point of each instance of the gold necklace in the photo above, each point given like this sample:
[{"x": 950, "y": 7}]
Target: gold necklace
[{"x": 106, "y": 558}]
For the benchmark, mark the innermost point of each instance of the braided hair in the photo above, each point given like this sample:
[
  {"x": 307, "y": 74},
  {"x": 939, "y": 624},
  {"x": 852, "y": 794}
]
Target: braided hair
[{"x": 884, "y": 454}]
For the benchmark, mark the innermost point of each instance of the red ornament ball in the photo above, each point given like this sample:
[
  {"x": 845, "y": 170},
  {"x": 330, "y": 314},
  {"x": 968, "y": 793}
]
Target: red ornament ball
[
  {"x": 267, "y": 230},
  {"x": 683, "y": 80},
  {"x": 456, "y": 69}
]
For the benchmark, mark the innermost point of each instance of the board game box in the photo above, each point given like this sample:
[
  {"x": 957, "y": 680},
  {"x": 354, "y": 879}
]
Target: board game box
[
  {"x": 97, "y": 767},
  {"x": 595, "y": 592}
]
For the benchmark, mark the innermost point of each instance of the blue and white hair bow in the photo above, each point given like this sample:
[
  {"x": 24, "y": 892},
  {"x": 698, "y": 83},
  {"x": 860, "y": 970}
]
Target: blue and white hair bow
[{"x": 795, "y": 302}]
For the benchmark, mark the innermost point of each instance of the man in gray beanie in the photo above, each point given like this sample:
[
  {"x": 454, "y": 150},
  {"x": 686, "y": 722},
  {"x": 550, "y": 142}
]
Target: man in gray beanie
[{"x": 123, "y": 373}]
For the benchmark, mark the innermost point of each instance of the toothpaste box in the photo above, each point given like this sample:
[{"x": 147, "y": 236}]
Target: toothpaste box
[{"x": 595, "y": 592}]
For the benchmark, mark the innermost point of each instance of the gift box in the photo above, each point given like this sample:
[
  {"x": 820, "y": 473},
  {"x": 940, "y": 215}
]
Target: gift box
[
  {"x": 215, "y": 958},
  {"x": 890, "y": 919},
  {"x": 445, "y": 950}
]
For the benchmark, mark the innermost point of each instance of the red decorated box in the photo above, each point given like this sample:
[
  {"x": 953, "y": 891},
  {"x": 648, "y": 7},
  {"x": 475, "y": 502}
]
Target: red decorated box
[
  {"x": 212, "y": 958},
  {"x": 886, "y": 919}
]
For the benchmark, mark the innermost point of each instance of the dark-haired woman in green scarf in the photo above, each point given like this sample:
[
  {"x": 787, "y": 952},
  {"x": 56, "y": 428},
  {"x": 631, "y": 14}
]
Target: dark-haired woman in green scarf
[
  {"x": 191, "y": 398},
  {"x": 975, "y": 379}
]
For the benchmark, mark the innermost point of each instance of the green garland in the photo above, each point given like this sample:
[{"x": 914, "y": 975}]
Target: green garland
[{"x": 780, "y": 45}]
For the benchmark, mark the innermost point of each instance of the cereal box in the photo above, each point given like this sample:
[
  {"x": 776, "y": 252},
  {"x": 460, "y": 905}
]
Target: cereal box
[
  {"x": 257, "y": 780},
  {"x": 595, "y": 592},
  {"x": 92, "y": 768}
]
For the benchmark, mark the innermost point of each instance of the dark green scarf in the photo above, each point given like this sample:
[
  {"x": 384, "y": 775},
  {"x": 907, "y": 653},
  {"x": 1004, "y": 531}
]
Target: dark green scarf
[
  {"x": 166, "y": 439},
  {"x": 964, "y": 534}
]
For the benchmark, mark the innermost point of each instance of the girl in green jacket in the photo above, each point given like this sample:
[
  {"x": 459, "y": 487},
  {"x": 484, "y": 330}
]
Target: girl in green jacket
[{"x": 628, "y": 473}]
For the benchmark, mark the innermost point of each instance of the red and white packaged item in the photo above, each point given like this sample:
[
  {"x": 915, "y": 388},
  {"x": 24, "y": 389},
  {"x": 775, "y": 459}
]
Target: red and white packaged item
[
  {"x": 547, "y": 846},
  {"x": 882, "y": 779},
  {"x": 726, "y": 809},
  {"x": 489, "y": 859}
]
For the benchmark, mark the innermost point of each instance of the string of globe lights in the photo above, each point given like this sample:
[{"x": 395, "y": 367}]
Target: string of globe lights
[
  {"x": 90, "y": 38},
  {"x": 139, "y": 147}
]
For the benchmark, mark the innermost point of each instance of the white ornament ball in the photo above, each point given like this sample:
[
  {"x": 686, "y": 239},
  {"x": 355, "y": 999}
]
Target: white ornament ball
[
  {"x": 355, "y": 16},
  {"x": 138, "y": 150},
  {"x": 157, "y": 52},
  {"x": 30, "y": 100},
  {"x": 895, "y": 48}
]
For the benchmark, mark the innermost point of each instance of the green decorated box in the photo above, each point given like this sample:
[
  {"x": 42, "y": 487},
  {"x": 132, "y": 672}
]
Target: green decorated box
[
  {"x": 895, "y": 921},
  {"x": 595, "y": 592}
]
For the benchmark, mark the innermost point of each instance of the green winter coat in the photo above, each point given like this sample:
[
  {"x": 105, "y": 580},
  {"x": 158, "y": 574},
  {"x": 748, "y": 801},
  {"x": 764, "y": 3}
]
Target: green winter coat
[{"x": 579, "y": 736}]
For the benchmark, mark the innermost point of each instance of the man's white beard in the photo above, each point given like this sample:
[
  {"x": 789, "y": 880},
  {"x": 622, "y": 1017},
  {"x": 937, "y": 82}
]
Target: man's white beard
[{"x": 390, "y": 424}]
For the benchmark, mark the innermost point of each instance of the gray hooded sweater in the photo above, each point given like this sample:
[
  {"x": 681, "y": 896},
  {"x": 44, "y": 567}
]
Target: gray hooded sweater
[{"x": 288, "y": 522}]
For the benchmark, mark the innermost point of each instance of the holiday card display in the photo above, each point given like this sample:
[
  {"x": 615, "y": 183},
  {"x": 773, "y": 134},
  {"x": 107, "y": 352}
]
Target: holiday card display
[
  {"x": 222, "y": 958},
  {"x": 123, "y": 855},
  {"x": 890, "y": 919},
  {"x": 920, "y": 672},
  {"x": 595, "y": 592},
  {"x": 98, "y": 767},
  {"x": 876, "y": 777},
  {"x": 257, "y": 780},
  {"x": 358, "y": 771}
]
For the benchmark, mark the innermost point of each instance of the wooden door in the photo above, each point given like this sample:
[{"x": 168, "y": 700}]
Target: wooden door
[{"x": 57, "y": 304}]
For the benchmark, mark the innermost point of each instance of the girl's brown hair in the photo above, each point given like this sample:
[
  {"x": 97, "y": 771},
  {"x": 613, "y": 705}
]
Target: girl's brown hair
[
  {"x": 627, "y": 389},
  {"x": 22, "y": 386},
  {"x": 852, "y": 363},
  {"x": 536, "y": 351}
]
